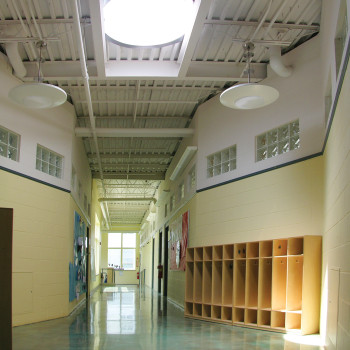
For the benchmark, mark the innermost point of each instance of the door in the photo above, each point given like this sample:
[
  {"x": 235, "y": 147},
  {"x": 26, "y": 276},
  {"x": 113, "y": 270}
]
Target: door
[
  {"x": 153, "y": 263},
  {"x": 160, "y": 262},
  {"x": 165, "y": 267}
]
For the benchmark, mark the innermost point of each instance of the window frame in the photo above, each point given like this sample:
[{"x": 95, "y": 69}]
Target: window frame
[
  {"x": 47, "y": 162},
  {"x": 8, "y": 145}
]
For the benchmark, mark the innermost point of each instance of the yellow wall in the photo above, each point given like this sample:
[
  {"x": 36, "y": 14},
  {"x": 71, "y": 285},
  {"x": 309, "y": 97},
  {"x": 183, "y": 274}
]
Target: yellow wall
[
  {"x": 146, "y": 262},
  {"x": 336, "y": 243}
]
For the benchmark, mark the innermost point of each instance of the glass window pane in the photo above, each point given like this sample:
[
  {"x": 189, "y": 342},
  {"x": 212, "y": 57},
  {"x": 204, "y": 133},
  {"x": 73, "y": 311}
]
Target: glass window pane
[
  {"x": 3, "y": 136},
  {"x": 129, "y": 240},
  {"x": 3, "y": 150},
  {"x": 114, "y": 257},
  {"x": 129, "y": 259},
  {"x": 114, "y": 240},
  {"x": 13, "y": 140}
]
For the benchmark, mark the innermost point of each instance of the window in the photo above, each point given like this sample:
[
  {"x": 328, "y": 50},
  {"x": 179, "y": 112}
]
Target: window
[
  {"x": 73, "y": 179},
  {"x": 278, "y": 141},
  {"x": 172, "y": 203},
  {"x": 122, "y": 250},
  {"x": 221, "y": 162},
  {"x": 181, "y": 191},
  {"x": 9, "y": 144},
  {"x": 166, "y": 210},
  {"x": 97, "y": 245},
  {"x": 49, "y": 162},
  {"x": 192, "y": 179}
]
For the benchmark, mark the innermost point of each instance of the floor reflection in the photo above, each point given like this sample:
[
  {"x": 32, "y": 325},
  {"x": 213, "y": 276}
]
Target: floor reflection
[{"x": 124, "y": 317}]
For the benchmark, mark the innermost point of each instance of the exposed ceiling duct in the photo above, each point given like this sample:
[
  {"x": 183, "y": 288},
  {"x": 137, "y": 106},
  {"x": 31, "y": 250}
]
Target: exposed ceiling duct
[
  {"x": 15, "y": 59},
  {"x": 276, "y": 63}
]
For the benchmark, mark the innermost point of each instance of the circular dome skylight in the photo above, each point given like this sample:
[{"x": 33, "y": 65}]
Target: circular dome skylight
[{"x": 146, "y": 23}]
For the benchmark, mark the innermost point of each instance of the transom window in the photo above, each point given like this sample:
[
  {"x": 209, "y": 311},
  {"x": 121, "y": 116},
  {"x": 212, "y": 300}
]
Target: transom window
[
  {"x": 222, "y": 162},
  {"x": 278, "y": 141},
  {"x": 9, "y": 144},
  {"x": 122, "y": 250},
  {"x": 49, "y": 162}
]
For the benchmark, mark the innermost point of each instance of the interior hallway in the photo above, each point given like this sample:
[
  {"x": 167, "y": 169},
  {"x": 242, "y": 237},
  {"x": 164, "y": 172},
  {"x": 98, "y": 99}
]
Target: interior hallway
[{"x": 121, "y": 317}]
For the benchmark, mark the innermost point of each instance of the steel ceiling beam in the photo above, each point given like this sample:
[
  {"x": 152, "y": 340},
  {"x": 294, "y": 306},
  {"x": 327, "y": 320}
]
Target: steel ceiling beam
[
  {"x": 135, "y": 132},
  {"x": 130, "y": 176},
  {"x": 131, "y": 156}
]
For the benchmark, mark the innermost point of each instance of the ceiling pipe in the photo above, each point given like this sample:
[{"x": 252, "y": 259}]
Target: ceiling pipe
[
  {"x": 15, "y": 59},
  {"x": 276, "y": 63},
  {"x": 85, "y": 75}
]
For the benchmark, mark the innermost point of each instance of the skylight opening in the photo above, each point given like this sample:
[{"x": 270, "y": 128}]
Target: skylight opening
[{"x": 147, "y": 23}]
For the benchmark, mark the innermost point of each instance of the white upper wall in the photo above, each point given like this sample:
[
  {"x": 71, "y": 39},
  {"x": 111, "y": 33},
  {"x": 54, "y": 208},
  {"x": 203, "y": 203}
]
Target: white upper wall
[{"x": 301, "y": 97}]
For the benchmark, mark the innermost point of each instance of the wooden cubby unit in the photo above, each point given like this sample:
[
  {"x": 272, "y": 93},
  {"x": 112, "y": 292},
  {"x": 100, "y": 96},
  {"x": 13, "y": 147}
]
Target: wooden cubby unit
[
  {"x": 207, "y": 281},
  {"x": 226, "y": 314},
  {"x": 217, "y": 252},
  {"x": 197, "y": 310},
  {"x": 206, "y": 311},
  {"x": 190, "y": 254},
  {"x": 239, "y": 283},
  {"x": 207, "y": 253},
  {"x": 227, "y": 283},
  {"x": 252, "y": 276},
  {"x": 279, "y": 281},
  {"x": 280, "y": 247},
  {"x": 264, "y": 318},
  {"x": 216, "y": 312},
  {"x": 265, "y": 249},
  {"x": 217, "y": 283},
  {"x": 238, "y": 315},
  {"x": 295, "y": 246},
  {"x": 189, "y": 281},
  {"x": 251, "y": 317},
  {"x": 252, "y": 250},
  {"x": 188, "y": 308},
  {"x": 228, "y": 252},
  {"x": 273, "y": 285},
  {"x": 240, "y": 251},
  {"x": 198, "y": 281},
  {"x": 278, "y": 319},
  {"x": 198, "y": 254},
  {"x": 265, "y": 281}
]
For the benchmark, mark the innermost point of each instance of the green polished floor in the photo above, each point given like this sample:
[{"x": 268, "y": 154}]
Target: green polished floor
[{"x": 124, "y": 318}]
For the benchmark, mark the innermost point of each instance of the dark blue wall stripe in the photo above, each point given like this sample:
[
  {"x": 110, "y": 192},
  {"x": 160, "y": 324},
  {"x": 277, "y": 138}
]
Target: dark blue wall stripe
[{"x": 34, "y": 179}]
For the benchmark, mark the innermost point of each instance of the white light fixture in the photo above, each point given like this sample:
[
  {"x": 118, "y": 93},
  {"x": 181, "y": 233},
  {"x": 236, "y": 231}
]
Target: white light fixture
[
  {"x": 249, "y": 95},
  {"x": 146, "y": 23},
  {"x": 38, "y": 95},
  {"x": 184, "y": 160}
]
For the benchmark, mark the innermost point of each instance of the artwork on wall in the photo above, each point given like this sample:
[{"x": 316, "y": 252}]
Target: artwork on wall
[
  {"x": 77, "y": 268},
  {"x": 178, "y": 242}
]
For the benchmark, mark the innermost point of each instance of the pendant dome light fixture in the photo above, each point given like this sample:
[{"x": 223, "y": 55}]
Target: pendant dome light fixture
[
  {"x": 248, "y": 95},
  {"x": 38, "y": 95}
]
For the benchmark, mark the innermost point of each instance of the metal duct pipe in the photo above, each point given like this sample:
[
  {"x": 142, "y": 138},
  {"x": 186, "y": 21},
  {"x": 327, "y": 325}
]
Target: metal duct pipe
[
  {"x": 276, "y": 62},
  {"x": 15, "y": 59}
]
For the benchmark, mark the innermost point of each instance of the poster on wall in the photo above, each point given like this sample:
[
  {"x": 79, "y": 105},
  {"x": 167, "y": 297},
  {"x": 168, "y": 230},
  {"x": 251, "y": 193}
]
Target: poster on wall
[
  {"x": 178, "y": 242},
  {"x": 77, "y": 268}
]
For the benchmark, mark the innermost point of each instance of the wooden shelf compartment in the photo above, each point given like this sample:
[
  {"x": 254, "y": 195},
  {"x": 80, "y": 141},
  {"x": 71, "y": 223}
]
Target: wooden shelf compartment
[
  {"x": 279, "y": 280},
  {"x": 198, "y": 254},
  {"x": 294, "y": 282},
  {"x": 240, "y": 251},
  {"x": 227, "y": 282},
  {"x": 295, "y": 246},
  {"x": 265, "y": 249},
  {"x": 228, "y": 252},
  {"x": 238, "y": 315},
  {"x": 206, "y": 311},
  {"x": 264, "y": 285},
  {"x": 264, "y": 318},
  {"x": 226, "y": 313},
  {"x": 188, "y": 308},
  {"x": 190, "y": 254},
  {"x": 189, "y": 281},
  {"x": 252, "y": 279},
  {"x": 198, "y": 281},
  {"x": 293, "y": 322},
  {"x": 217, "y": 283},
  {"x": 197, "y": 310},
  {"x": 252, "y": 250},
  {"x": 251, "y": 317},
  {"x": 278, "y": 319},
  {"x": 239, "y": 276},
  {"x": 207, "y": 253},
  {"x": 279, "y": 247},
  {"x": 217, "y": 252},
  {"x": 207, "y": 281},
  {"x": 216, "y": 312}
]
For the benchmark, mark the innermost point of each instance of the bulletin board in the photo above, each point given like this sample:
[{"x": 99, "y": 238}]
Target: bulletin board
[
  {"x": 179, "y": 230},
  {"x": 77, "y": 269}
]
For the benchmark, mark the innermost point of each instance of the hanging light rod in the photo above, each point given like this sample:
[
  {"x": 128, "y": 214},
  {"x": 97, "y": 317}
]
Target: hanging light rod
[{"x": 249, "y": 95}]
